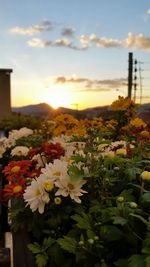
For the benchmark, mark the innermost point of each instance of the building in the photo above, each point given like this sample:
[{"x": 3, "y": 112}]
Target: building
[{"x": 5, "y": 93}]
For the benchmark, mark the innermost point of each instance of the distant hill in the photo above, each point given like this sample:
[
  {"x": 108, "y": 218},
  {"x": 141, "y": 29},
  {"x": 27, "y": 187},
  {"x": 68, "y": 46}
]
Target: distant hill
[
  {"x": 39, "y": 109},
  {"x": 44, "y": 109}
]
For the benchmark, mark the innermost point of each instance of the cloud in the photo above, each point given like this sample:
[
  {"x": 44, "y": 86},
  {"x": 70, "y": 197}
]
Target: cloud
[
  {"x": 44, "y": 26},
  {"x": 85, "y": 84},
  {"x": 61, "y": 42},
  {"x": 132, "y": 41},
  {"x": 83, "y": 42},
  {"x": 68, "y": 32},
  {"x": 36, "y": 42},
  {"x": 148, "y": 11},
  {"x": 139, "y": 41},
  {"x": 105, "y": 42}
]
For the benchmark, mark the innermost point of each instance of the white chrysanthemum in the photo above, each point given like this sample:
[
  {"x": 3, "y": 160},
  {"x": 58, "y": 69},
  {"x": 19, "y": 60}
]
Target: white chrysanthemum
[
  {"x": 9, "y": 142},
  {"x": 61, "y": 140},
  {"x": 69, "y": 151},
  {"x": 67, "y": 187},
  {"x": 56, "y": 170},
  {"x": 40, "y": 159},
  {"x": 20, "y": 151},
  {"x": 2, "y": 151},
  {"x": 36, "y": 196},
  {"x": 23, "y": 132}
]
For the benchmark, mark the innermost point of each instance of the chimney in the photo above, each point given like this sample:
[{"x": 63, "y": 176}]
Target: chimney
[{"x": 5, "y": 102}]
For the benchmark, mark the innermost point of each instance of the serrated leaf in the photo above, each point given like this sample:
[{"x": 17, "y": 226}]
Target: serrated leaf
[
  {"x": 41, "y": 260},
  {"x": 48, "y": 242},
  {"x": 119, "y": 220},
  {"x": 34, "y": 248},
  {"x": 67, "y": 243},
  {"x": 83, "y": 222},
  {"x": 137, "y": 261}
]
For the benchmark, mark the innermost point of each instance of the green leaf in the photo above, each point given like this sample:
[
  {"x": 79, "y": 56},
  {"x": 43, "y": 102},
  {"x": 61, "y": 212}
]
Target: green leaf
[
  {"x": 90, "y": 234},
  {"x": 83, "y": 222},
  {"x": 132, "y": 172},
  {"x": 75, "y": 173},
  {"x": 34, "y": 248},
  {"x": 119, "y": 220},
  {"x": 48, "y": 242},
  {"x": 128, "y": 195},
  {"x": 78, "y": 158},
  {"x": 67, "y": 243},
  {"x": 139, "y": 217},
  {"x": 145, "y": 198},
  {"x": 41, "y": 260},
  {"x": 136, "y": 261},
  {"x": 111, "y": 233},
  {"x": 147, "y": 260}
]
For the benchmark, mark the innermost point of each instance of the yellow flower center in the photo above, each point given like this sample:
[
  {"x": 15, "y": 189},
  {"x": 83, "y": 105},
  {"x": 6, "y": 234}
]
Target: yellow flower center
[
  {"x": 56, "y": 173},
  {"x": 17, "y": 189},
  {"x": 48, "y": 186},
  {"x": 15, "y": 169},
  {"x": 37, "y": 193},
  {"x": 71, "y": 186}
]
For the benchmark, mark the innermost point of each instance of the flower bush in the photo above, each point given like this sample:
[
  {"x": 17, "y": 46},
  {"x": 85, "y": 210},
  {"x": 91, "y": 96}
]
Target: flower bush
[{"x": 84, "y": 200}]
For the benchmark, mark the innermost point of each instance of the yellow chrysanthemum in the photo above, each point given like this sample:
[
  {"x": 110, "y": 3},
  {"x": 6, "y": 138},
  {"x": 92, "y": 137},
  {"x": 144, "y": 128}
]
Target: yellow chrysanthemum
[
  {"x": 122, "y": 103},
  {"x": 121, "y": 152},
  {"x": 137, "y": 122},
  {"x": 145, "y": 134}
]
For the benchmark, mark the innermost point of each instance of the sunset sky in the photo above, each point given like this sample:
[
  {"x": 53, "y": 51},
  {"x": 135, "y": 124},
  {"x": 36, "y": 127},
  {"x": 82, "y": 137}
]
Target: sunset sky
[{"x": 74, "y": 53}]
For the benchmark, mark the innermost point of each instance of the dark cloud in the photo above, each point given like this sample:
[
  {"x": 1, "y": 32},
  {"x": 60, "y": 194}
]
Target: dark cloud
[
  {"x": 86, "y": 84},
  {"x": 68, "y": 32}
]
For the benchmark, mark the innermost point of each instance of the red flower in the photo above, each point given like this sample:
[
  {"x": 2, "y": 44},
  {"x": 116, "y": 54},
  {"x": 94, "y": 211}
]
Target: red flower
[
  {"x": 53, "y": 150},
  {"x": 20, "y": 170},
  {"x": 13, "y": 190}
]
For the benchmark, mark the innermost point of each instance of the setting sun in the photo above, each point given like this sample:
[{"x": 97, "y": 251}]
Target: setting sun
[{"x": 58, "y": 97}]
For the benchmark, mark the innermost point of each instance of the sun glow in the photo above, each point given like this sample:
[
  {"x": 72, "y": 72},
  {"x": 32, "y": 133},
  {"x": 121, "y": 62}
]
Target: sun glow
[{"x": 58, "y": 97}]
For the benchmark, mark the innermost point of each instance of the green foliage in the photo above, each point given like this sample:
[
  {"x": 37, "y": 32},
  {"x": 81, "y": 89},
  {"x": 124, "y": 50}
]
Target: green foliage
[
  {"x": 137, "y": 261},
  {"x": 67, "y": 243},
  {"x": 17, "y": 121},
  {"x": 33, "y": 141}
]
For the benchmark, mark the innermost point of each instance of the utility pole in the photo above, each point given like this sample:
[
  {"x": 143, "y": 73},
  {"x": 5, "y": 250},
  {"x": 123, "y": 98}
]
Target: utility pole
[
  {"x": 140, "y": 77},
  {"x": 135, "y": 80},
  {"x": 130, "y": 70}
]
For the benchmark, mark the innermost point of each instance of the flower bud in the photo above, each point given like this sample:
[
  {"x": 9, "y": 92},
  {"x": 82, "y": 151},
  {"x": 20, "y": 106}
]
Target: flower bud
[
  {"x": 120, "y": 199},
  {"x": 133, "y": 205},
  {"x": 145, "y": 176},
  {"x": 91, "y": 241},
  {"x": 81, "y": 243}
]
